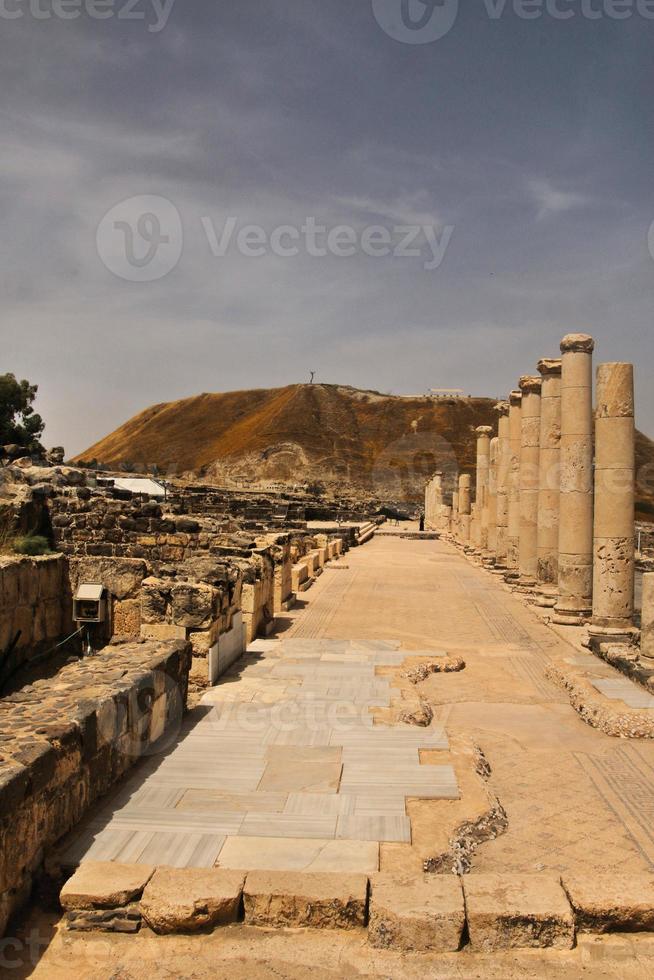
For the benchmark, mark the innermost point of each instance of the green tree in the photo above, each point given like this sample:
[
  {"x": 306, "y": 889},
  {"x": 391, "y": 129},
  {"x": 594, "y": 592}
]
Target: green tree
[{"x": 19, "y": 423}]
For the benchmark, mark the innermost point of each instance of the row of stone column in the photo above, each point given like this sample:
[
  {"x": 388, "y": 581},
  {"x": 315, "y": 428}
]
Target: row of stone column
[{"x": 554, "y": 501}]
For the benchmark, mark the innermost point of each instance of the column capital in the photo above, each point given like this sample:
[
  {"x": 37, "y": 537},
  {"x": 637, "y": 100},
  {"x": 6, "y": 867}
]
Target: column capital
[
  {"x": 530, "y": 384},
  {"x": 502, "y": 408},
  {"x": 484, "y": 430},
  {"x": 515, "y": 399},
  {"x": 550, "y": 366},
  {"x": 581, "y": 343}
]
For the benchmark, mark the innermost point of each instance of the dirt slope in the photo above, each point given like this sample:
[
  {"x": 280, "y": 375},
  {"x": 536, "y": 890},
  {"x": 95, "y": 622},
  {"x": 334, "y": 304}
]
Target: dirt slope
[
  {"x": 328, "y": 433},
  {"x": 315, "y": 432}
]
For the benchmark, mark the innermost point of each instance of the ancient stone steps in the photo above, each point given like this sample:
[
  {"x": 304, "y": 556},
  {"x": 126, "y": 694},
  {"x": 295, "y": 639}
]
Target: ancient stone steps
[{"x": 403, "y": 911}]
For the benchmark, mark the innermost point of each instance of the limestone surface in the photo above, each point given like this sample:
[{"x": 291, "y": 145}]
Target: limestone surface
[
  {"x": 188, "y": 899},
  {"x": 416, "y": 913},
  {"x": 322, "y": 901},
  {"x": 508, "y": 911},
  {"x": 104, "y": 885},
  {"x": 605, "y": 903}
]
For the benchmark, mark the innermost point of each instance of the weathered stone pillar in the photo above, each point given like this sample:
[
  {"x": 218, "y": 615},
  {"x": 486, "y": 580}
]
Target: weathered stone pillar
[
  {"x": 549, "y": 481},
  {"x": 614, "y": 543},
  {"x": 647, "y": 617},
  {"x": 454, "y": 523},
  {"x": 465, "y": 484},
  {"x": 491, "y": 547},
  {"x": 503, "y": 470},
  {"x": 484, "y": 433},
  {"x": 529, "y": 471},
  {"x": 515, "y": 439},
  {"x": 475, "y": 527},
  {"x": 574, "y": 604},
  {"x": 433, "y": 502}
]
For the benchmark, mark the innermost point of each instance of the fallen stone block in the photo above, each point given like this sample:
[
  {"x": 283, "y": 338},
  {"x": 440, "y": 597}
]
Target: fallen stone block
[
  {"x": 514, "y": 911},
  {"x": 104, "y": 885},
  {"x": 319, "y": 900},
  {"x": 188, "y": 899},
  {"x": 607, "y": 903},
  {"x": 416, "y": 913}
]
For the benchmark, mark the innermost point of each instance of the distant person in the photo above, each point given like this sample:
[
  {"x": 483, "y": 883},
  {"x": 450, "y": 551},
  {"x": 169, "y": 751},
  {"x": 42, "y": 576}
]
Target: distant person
[{"x": 422, "y": 522}]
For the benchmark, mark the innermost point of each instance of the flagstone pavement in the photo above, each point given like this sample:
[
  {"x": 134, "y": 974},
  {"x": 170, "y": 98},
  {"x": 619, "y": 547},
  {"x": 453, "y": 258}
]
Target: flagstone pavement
[{"x": 284, "y": 766}]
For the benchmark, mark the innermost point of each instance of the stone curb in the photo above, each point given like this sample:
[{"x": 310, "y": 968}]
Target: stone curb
[
  {"x": 591, "y": 706},
  {"x": 405, "y": 912},
  {"x": 320, "y": 900}
]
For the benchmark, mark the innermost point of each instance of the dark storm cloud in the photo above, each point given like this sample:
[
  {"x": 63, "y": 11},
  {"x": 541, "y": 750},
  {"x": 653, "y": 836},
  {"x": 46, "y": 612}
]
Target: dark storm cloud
[{"x": 530, "y": 139}]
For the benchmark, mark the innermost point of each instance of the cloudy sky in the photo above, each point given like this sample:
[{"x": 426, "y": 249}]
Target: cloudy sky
[{"x": 512, "y": 155}]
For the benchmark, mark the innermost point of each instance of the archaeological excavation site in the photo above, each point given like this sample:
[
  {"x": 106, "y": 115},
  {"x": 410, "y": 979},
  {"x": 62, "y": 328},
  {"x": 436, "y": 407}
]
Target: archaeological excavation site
[{"x": 382, "y": 711}]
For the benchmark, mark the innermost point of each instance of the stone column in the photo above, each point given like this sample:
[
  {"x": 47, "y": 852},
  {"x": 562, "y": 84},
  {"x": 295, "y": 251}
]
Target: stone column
[
  {"x": 647, "y": 617},
  {"x": 548, "y": 482},
  {"x": 529, "y": 471},
  {"x": 475, "y": 527},
  {"x": 503, "y": 470},
  {"x": 614, "y": 544},
  {"x": 433, "y": 502},
  {"x": 492, "y": 499},
  {"x": 515, "y": 439},
  {"x": 574, "y": 604},
  {"x": 455, "y": 513},
  {"x": 484, "y": 433},
  {"x": 465, "y": 484}
]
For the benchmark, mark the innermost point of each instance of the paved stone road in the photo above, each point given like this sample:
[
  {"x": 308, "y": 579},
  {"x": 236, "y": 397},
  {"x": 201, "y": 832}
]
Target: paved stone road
[
  {"x": 574, "y": 797},
  {"x": 267, "y": 773}
]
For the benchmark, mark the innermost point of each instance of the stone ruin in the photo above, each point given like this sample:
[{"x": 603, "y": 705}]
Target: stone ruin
[
  {"x": 188, "y": 583},
  {"x": 554, "y": 503}
]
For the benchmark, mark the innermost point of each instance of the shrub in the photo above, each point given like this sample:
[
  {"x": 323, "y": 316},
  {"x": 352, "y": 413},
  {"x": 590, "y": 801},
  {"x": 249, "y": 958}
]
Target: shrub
[{"x": 32, "y": 544}]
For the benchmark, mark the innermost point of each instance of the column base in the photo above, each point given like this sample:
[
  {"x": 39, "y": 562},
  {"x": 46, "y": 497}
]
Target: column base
[
  {"x": 572, "y": 616},
  {"x": 546, "y": 596},
  {"x": 599, "y": 633}
]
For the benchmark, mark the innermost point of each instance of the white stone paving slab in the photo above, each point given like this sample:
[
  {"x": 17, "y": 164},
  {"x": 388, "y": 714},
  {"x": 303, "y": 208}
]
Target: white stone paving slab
[
  {"x": 282, "y": 766},
  {"x": 622, "y": 689}
]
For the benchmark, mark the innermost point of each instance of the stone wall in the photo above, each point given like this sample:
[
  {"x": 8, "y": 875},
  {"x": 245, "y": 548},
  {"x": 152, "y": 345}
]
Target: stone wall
[
  {"x": 122, "y": 578},
  {"x": 65, "y": 741},
  {"x": 200, "y": 601},
  {"x": 92, "y": 523},
  {"x": 34, "y": 608},
  {"x": 258, "y": 598}
]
